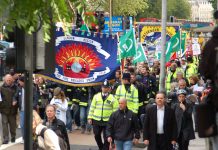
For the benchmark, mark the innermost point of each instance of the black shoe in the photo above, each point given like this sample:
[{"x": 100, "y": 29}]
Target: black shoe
[
  {"x": 5, "y": 142},
  {"x": 12, "y": 140}
]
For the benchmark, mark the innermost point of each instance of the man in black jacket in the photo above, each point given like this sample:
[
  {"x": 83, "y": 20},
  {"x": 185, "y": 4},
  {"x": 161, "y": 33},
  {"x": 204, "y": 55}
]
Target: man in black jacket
[
  {"x": 123, "y": 127},
  {"x": 183, "y": 112},
  {"x": 55, "y": 124},
  {"x": 8, "y": 109},
  {"x": 160, "y": 129}
]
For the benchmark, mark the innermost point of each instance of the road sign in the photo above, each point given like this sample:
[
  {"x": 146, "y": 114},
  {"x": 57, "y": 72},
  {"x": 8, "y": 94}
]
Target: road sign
[{"x": 117, "y": 25}]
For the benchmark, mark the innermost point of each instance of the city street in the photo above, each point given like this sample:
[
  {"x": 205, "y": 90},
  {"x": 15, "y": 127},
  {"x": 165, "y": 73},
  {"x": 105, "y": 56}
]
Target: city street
[
  {"x": 86, "y": 142},
  {"x": 124, "y": 69}
]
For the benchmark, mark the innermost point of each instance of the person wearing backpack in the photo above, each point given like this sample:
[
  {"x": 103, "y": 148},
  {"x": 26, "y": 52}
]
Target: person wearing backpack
[
  {"x": 45, "y": 139},
  {"x": 57, "y": 126}
]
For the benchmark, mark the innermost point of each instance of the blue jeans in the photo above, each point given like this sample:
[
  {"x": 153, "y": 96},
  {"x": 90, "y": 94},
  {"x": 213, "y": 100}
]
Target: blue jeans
[
  {"x": 83, "y": 116},
  {"x": 69, "y": 122},
  {"x": 22, "y": 123},
  {"x": 123, "y": 145}
]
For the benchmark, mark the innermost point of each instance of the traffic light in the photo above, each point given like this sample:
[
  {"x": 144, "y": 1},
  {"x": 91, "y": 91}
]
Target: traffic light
[
  {"x": 126, "y": 23},
  {"x": 100, "y": 17},
  {"x": 78, "y": 21},
  {"x": 172, "y": 19}
]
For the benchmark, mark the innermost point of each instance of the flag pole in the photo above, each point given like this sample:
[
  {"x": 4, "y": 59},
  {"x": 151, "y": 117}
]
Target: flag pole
[
  {"x": 119, "y": 55},
  {"x": 110, "y": 21},
  {"x": 163, "y": 45},
  {"x": 180, "y": 38}
]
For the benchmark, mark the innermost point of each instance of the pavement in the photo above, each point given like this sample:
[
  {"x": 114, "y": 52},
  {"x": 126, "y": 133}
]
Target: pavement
[{"x": 87, "y": 142}]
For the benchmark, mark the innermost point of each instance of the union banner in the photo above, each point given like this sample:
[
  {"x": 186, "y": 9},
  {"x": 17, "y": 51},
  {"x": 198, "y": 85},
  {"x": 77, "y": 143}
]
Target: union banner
[{"x": 84, "y": 58}]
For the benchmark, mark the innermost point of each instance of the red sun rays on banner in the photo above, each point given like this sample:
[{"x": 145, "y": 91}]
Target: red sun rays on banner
[{"x": 77, "y": 60}]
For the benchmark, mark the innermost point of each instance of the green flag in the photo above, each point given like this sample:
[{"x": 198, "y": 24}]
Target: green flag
[
  {"x": 140, "y": 55},
  {"x": 128, "y": 44},
  {"x": 84, "y": 28},
  {"x": 183, "y": 42},
  {"x": 173, "y": 46}
]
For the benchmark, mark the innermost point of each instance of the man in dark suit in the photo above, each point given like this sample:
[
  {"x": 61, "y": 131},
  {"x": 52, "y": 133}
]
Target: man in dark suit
[{"x": 160, "y": 129}]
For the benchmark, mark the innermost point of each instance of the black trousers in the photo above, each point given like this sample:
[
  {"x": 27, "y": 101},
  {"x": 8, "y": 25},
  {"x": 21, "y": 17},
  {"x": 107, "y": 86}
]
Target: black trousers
[
  {"x": 97, "y": 132},
  {"x": 183, "y": 144},
  {"x": 161, "y": 142}
]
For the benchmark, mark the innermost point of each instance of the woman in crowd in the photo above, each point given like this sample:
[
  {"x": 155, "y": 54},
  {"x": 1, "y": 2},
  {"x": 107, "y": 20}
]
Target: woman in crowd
[{"x": 60, "y": 102}]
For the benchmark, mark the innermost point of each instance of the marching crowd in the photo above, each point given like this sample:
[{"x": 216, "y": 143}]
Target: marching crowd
[{"x": 122, "y": 110}]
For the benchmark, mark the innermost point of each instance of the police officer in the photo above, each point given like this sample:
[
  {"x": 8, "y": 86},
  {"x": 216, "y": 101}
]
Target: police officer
[
  {"x": 171, "y": 75},
  {"x": 141, "y": 93},
  {"x": 191, "y": 68},
  {"x": 102, "y": 106},
  {"x": 128, "y": 91}
]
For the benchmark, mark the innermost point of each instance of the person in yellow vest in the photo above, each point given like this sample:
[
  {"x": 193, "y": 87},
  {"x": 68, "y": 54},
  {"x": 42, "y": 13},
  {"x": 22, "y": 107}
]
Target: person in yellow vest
[
  {"x": 191, "y": 68},
  {"x": 128, "y": 91},
  {"x": 171, "y": 75},
  {"x": 102, "y": 106}
]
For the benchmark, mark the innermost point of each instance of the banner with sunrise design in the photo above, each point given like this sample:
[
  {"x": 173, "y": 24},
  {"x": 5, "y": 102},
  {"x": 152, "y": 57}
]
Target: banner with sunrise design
[{"x": 85, "y": 58}]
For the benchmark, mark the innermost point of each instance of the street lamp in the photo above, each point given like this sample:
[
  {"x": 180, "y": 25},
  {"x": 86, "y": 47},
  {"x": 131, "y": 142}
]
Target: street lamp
[{"x": 163, "y": 45}]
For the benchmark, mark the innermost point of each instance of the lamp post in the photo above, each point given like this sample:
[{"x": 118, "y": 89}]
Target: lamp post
[{"x": 163, "y": 45}]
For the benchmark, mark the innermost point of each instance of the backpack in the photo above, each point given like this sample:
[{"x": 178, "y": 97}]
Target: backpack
[{"x": 62, "y": 143}]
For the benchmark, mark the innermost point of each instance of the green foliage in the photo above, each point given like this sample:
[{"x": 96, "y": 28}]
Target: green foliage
[
  {"x": 214, "y": 4},
  {"x": 119, "y": 7},
  {"x": 179, "y": 8},
  {"x": 26, "y": 14}
]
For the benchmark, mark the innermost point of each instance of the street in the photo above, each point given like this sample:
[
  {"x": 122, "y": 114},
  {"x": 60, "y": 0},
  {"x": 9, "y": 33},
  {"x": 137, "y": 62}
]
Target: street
[{"x": 86, "y": 142}]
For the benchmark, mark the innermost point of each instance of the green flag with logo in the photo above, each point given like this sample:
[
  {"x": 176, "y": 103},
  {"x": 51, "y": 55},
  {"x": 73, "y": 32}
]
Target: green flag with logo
[
  {"x": 173, "y": 45},
  {"x": 183, "y": 42},
  {"x": 127, "y": 44},
  {"x": 140, "y": 55}
]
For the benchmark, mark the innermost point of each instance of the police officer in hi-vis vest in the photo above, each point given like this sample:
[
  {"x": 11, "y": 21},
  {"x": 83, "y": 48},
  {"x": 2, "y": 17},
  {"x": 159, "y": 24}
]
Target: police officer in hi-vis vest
[
  {"x": 128, "y": 91},
  {"x": 102, "y": 106}
]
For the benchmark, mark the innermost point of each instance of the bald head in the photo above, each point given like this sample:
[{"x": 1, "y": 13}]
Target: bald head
[
  {"x": 8, "y": 80},
  {"x": 182, "y": 84},
  {"x": 122, "y": 103}
]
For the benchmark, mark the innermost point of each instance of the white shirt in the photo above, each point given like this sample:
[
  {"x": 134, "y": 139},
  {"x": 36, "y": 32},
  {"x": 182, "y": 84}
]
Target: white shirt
[
  {"x": 61, "y": 108},
  {"x": 160, "y": 120}
]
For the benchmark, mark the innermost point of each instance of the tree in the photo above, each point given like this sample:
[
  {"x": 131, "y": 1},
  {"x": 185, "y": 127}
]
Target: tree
[
  {"x": 120, "y": 7},
  {"x": 178, "y": 8},
  {"x": 30, "y": 15},
  {"x": 214, "y": 4}
]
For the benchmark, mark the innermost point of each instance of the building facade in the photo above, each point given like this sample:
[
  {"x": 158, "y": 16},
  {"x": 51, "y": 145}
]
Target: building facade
[{"x": 201, "y": 10}]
